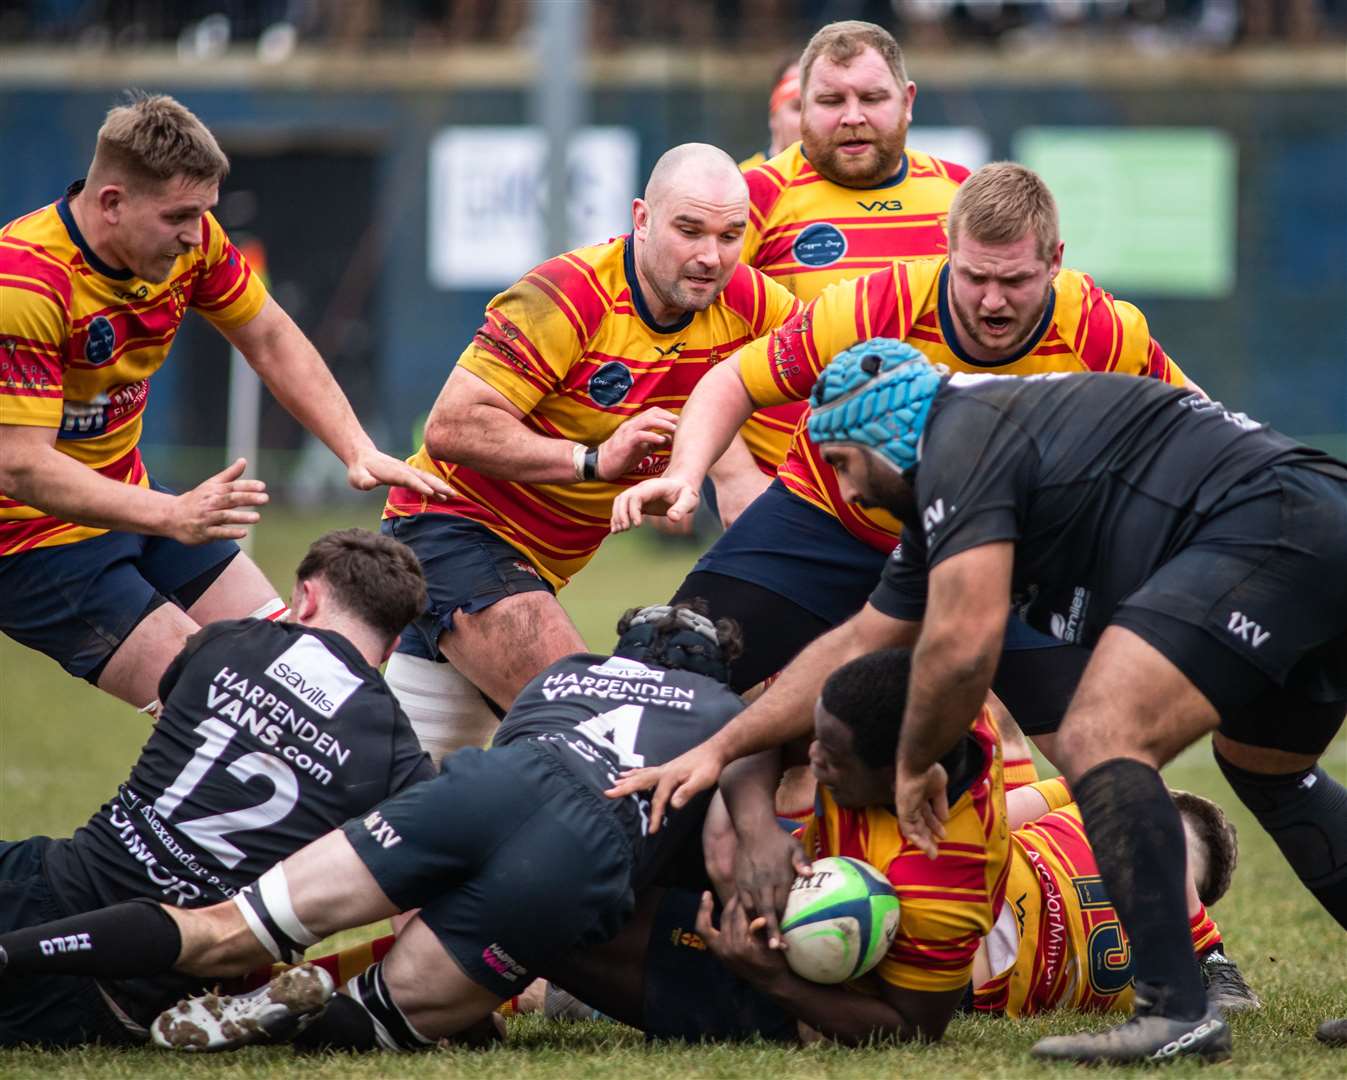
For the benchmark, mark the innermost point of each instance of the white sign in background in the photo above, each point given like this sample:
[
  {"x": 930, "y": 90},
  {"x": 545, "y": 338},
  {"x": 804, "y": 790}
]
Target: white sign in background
[
  {"x": 966, "y": 146},
  {"x": 487, "y": 195}
]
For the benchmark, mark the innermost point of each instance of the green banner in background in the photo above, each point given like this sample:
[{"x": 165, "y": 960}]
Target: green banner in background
[{"x": 1147, "y": 211}]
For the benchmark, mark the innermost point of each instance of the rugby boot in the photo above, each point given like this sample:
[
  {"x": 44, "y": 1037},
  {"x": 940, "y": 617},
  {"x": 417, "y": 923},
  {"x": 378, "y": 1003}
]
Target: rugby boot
[
  {"x": 1333, "y": 1032},
  {"x": 1147, "y": 1036},
  {"x": 1226, "y": 988},
  {"x": 275, "y": 1012}
]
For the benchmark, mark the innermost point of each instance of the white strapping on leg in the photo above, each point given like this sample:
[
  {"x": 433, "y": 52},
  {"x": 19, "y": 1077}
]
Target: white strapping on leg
[
  {"x": 275, "y": 893},
  {"x": 274, "y": 610},
  {"x": 446, "y": 710}
]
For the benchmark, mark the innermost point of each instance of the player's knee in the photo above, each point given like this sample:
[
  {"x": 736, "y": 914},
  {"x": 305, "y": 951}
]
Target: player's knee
[
  {"x": 446, "y": 710},
  {"x": 1305, "y": 812}
]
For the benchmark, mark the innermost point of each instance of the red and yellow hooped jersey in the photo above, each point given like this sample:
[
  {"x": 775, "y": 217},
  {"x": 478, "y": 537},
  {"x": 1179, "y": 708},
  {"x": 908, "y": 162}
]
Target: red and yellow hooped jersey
[
  {"x": 79, "y": 341},
  {"x": 808, "y": 233},
  {"x": 573, "y": 346},
  {"x": 947, "y": 904},
  {"x": 1083, "y": 329}
]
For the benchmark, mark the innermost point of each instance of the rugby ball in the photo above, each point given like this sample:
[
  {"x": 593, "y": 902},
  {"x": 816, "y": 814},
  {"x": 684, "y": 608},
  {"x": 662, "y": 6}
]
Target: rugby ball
[{"x": 840, "y": 921}]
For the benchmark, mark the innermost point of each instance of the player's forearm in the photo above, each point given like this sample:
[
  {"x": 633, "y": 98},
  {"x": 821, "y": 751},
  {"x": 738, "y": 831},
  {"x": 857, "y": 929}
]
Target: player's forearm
[
  {"x": 835, "y": 1012},
  {"x": 786, "y": 710},
  {"x": 494, "y": 443},
  {"x": 715, "y": 411},
  {"x": 952, "y": 669},
  {"x": 291, "y": 368},
  {"x": 749, "y": 789},
  {"x": 48, "y": 480}
]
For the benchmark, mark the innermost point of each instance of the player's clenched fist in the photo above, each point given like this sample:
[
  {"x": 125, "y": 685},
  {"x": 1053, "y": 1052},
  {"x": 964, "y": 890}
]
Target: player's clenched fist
[
  {"x": 633, "y": 442},
  {"x": 215, "y": 508}
]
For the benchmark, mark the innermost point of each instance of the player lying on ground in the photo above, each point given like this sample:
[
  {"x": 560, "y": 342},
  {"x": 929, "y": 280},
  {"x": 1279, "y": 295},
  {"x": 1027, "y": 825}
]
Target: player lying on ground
[
  {"x": 101, "y": 568},
  {"x": 271, "y": 734},
  {"x": 568, "y": 394},
  {"x": 1196, "y": 551},
  {"x": 673, "y": 973},
  {"x": 534, "y": 861}
]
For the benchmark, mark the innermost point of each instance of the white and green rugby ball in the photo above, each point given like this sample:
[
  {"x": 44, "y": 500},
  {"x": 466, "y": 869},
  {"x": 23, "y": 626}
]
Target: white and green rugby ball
[{"x": 840, "y": 921}]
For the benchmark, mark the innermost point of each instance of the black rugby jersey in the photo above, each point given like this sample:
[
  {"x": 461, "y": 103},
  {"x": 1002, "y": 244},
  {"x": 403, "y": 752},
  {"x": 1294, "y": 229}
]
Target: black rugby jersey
[
  {"x": 1097, "y": 479},
  {"x": 604, "y": 714},
  {"x": 271, "y": 735}
]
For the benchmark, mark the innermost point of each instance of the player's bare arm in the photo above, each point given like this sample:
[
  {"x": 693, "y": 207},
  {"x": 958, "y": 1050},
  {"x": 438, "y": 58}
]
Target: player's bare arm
[
  {"x": 767, "y": 859},
  {"x": 783, "y": 713},
  {"x": 33, "y": 471},
  {"x": 715, "y": 411},
  {"x": 293, "y": 371},
  {"x": 952, "y": 669},
  {"x": 474, "y": 424},
  {"x": 834, "y": 1011},
  {"x": 738, "y": 481}
]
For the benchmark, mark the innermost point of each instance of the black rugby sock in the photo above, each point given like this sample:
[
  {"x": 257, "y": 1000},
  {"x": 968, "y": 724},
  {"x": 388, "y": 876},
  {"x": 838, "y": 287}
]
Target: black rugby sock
[
  {"x": 1138, "y": 842},
  {"x": 118, "y": 942},
  {"x": 1305, "y": 813},
  {"x": 344, "y": 1024}
]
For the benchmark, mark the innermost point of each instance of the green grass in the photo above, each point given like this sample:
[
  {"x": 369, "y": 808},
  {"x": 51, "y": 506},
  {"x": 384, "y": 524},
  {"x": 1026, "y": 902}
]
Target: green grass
[{"x": 64, "y": 747}]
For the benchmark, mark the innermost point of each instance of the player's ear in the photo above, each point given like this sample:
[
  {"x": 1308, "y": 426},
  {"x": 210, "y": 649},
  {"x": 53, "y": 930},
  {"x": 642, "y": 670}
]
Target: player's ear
[
  {"x": 304, "y": 600},
  {"x": 1056, "y": 264},
  {"x": 112, "y": 202},
  {"x": 911, "y": 95},
  {"x": 640, "y": 217}
]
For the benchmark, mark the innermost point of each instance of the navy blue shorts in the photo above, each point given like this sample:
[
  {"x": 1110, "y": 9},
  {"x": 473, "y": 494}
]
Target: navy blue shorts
[
  {"x": 691, "y": 995},
  {"x": 467, "y": 568},
  {"x": 78, "y": 602},
  {"x": 45, "y": 1010},
  {"x": 513, "y": 859}
]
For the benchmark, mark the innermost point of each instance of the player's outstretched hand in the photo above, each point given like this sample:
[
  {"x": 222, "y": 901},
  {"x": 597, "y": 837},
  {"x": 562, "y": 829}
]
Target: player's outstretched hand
[
  {"x": 373, "y": 468},
  {"x": 216, "y": 509},
  {"x": 765, "y": 867},
  {"x": 678, "y": 498},
  {"x": 675, "y": 782},
  {"x": 923, "y": 806},
  {"x": 738, "y": 943},
  {"x": 634, "y": 441}
]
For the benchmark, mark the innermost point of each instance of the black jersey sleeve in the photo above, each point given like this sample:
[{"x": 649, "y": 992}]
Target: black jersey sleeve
[
  {"x": 975, "y": 478},
  {"x": 901, "y": 592},
  {"x": 408, "y": 763}
]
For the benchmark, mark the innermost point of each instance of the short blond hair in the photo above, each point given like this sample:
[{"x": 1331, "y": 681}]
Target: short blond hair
[
  {"x": 999, "y": 202},
  {"x": 153, "y": 138},
  {"x": 842, "y": 42}
]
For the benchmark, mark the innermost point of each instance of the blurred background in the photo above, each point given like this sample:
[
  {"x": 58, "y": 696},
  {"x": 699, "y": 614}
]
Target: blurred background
[{"x": 390, "y": 165}]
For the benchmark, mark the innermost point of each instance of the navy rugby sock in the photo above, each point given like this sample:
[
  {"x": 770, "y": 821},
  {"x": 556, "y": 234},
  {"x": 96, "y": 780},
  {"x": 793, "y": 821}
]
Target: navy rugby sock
[
  {"x": 1138, "y": 843},
  {"x": 1305, "y": 813},
  {"x": 118, "y": 942}
]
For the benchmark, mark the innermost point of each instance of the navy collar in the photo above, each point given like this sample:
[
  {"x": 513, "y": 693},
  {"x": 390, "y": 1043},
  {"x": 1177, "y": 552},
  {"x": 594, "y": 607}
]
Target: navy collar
[
  {"x": 68, "y": 218},
  {"x": 952, "y": 339},
  {"x": 638, "y": 300},
  {"x": 893, "y": 181}
]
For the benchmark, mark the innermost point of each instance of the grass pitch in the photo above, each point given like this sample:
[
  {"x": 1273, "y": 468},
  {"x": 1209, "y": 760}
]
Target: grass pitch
[{"x": 64, "y": 747}]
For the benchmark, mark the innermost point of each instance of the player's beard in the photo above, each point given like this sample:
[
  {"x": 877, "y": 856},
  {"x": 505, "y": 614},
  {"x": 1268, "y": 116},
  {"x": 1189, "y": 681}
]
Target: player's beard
[
  {"x": 825, "y": 154},
  {"x": 886, "y": 489},
  {"x": 1006, "y": 344},
  {"x": 682, "y": 296}
]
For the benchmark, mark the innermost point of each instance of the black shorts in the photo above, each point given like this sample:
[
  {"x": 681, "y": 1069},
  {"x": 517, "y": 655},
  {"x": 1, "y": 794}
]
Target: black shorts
[
  {"x": 1253, "y": 609},
  {"x": 467, "y": 567},
  {"x": 513, "y": 859},
  {"x": 691, "y": 995},
  {"x": 45, "y": 1010}
]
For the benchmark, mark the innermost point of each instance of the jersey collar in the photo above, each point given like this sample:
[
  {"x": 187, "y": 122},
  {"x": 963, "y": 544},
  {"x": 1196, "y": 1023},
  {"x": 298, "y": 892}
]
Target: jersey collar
[
  {"x": 68, "y": 219},
  {"x": 952, "y": 340},
  {"x": 638, "y": 299},
  {"x": 893, "y": 181}
]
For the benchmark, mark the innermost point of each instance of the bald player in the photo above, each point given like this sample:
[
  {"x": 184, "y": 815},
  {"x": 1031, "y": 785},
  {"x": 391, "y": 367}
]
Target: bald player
[{"x": 568, "y": 394}]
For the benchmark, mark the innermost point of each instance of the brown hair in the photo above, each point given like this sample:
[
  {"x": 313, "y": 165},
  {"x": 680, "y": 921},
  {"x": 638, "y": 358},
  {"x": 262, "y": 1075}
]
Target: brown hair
[
  {"x": 375, "y": 578},
  {"x": 842, "y": 42},
  {"x": 1217, "y": 834},
  {"x": 153, "y": 138},
  {"x": 999, "y": 202}
]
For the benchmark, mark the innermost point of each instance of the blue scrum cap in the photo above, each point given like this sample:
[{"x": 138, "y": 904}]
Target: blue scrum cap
[{"x": 877, "y": 395}]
